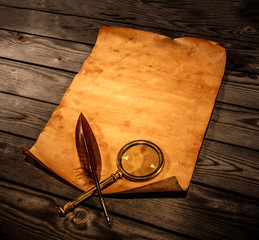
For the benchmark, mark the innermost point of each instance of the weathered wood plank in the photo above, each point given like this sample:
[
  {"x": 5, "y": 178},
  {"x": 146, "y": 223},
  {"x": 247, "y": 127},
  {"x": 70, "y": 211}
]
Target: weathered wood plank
[
  {"x": 219, "y": 165},
  {"x": 228, "y": 167},
  {"x": 19, "y": 169},
  {"x": 48, "y": 52},
  {"x": 50, "y": 85},
  {"x": 241, "y": 55},
  {"x": 213, "y": 18},
  {"x": 22, "y": 116},
  {"x": 206, "y": 212},
  {"x": 234, "y": 125},
  {"x": 51, "y": 25},
  {"x": 212, "y": 212},
  {"x": 33, "y": 215},
  {"x": 239, "y": 89},
  {"x": 229, "y": 124},
  {"x": 35, "y": 82},
  {"x": 70, "y": 55}
]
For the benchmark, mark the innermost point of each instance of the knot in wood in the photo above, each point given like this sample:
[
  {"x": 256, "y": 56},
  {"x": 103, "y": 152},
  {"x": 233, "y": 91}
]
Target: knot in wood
[
  {"x": 81, "y": 217},
  {"x": 60, "y": 59},
  {"x": 20, "y": 38},
  {"x": 249, "y": 30}
]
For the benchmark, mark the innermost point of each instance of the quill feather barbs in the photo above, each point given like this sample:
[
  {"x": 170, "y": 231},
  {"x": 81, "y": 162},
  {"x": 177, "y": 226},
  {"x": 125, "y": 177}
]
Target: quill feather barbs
[
  {"x": 88, "y": 151},
  {"x": 90, "y": 158}
]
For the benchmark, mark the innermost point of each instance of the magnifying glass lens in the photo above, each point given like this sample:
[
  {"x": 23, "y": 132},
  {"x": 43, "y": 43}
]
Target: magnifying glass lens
[{"x": 140, "y": 160}]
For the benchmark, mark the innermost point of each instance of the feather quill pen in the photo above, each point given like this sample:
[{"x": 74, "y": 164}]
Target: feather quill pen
[{"x": 90, "y": 158}]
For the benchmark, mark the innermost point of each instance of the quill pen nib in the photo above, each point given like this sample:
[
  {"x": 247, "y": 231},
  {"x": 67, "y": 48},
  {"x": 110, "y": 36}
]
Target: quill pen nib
[
  {"x": 105, "y": 212},
  {"x": 102, "y": 202}
]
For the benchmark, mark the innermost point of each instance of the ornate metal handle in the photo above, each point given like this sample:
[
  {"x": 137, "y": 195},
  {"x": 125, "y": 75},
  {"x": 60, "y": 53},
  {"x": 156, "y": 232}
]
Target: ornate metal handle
[{"x": 104, "y": 184}]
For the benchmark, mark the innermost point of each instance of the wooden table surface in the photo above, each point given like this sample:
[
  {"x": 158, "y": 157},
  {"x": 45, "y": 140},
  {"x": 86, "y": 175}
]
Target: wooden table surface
[{"x": 43, "y": 45}]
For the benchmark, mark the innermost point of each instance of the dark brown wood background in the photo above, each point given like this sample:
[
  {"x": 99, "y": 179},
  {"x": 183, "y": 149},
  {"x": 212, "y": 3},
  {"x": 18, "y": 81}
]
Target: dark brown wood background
[{"x": 43, "y": 45}]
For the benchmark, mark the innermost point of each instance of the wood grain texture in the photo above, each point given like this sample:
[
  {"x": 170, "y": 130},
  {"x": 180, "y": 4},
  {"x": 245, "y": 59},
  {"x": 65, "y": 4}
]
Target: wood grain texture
[
  {"x": 43, "y": 51},
  {"x": 39, "y": 83},
  {"x": 70, "y": 56},
  {"x": 207, "y": 81},
  {"x": 41, "y": 23},
  {"x": 15, "y": 108},
  {"x": 239, "y": 88},
  {"x": 50, "y": 85},
  {"x": 27, "y": 209},
  {"x": 202, "y": 205},
  {"x": 216, "y": 18},
  {"x": 85, "y": 30},
  {"x": 210, "y": 211},
  {"x": 227, "y": 122},
  {"x": 48, "y": 41},
  {"x": 217, "y": 165},
  {"x": 228, "y": 167},
  {"x": 28, "y": 117}
]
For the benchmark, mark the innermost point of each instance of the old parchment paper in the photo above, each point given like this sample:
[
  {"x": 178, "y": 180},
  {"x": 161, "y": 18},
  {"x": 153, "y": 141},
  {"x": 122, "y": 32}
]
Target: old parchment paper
[{"x": 137, "y": 85}]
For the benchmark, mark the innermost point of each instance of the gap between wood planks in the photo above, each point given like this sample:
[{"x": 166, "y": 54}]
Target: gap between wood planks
[
  {"x": 237, "y": 201},
  {"x": 47, "y": 37},
  {"x": 110, "y": 196},
  {"x": 222, "y": 161},
  {"x": 74, "y": 35},
  {"x": 238, "y": 60},
  {"x": 47, "y": 204},
  {"x": 70, "y": 41},
  {"x": 38, "y": 65},
  {"x": 211, "y": 160},
  {"x": 75, "y": 72},
  {"x": 234, "y": 129},
  {"x": 224, "y": 84},
  {"x": 220, "y": 196},
  {"x": 56, "y": 104},
  {"x": 230, "y": 192},
  {"x": 121, "y": 20},
  {"x": 71, "y": 72},
  {"x": 190, "y": 205}
]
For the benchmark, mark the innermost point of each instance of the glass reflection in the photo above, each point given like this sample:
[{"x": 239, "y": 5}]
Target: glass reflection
[{"x": 140, "y": 160}]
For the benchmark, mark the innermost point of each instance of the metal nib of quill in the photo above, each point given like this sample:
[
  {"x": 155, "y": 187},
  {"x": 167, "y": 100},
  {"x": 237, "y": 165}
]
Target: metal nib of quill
[
  {"x": 102, "y": 203},
  {"x": 108, "y": 220}
]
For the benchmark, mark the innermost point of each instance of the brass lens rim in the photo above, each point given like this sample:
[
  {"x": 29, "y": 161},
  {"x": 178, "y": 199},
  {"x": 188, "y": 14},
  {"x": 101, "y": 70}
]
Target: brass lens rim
[{"x": 145, "y": 177}]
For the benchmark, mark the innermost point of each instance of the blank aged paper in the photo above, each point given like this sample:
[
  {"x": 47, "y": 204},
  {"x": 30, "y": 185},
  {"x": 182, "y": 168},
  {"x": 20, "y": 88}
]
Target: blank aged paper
[{"x": 137, "y": 85}]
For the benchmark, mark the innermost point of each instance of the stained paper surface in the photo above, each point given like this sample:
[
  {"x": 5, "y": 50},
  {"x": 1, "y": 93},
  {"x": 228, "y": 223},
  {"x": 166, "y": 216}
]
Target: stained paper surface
[{"x": 137, "y": 85}]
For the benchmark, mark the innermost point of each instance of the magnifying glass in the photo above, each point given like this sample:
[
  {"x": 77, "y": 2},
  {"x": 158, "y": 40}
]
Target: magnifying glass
[{"x": 139, "y": 160}]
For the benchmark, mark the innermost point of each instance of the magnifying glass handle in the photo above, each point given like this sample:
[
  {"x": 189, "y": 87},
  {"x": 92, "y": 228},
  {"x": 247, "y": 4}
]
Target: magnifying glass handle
[{"x": 104, "y": 184}]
